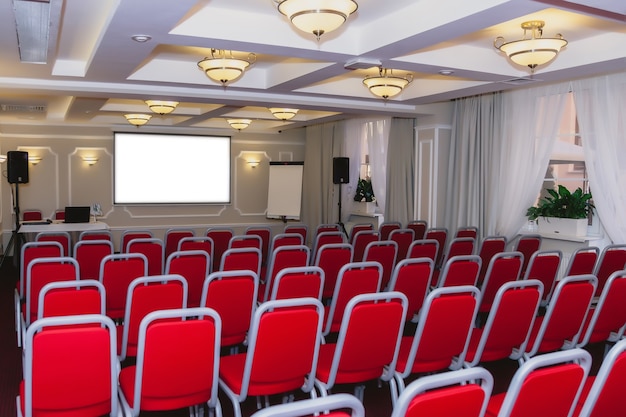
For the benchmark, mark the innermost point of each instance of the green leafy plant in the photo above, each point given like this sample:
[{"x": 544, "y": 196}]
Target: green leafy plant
[
  {"x": 364, "y": 191},
  {"x": 562, "y": 203}
]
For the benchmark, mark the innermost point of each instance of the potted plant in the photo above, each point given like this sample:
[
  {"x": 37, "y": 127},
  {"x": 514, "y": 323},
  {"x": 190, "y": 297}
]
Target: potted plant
[
  {"x": 365, "y": 195},
  {"x": 562, "y": 212}
]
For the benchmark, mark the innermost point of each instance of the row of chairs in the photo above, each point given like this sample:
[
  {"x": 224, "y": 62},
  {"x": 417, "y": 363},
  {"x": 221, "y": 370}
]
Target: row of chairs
[
  {"x": 285, "y": 354},
  {"x": 37, "y": 215}
]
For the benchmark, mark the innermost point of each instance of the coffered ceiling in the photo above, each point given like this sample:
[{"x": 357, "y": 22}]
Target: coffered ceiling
[{"x": 94, "y": 72}]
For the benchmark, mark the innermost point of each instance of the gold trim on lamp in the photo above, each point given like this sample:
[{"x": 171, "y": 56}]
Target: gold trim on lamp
[
  {"x": 162, "y": 107},
  {"x": 34, "y": 159},
  {"x": 138, "y": 119},
  {"x": 386, "y": 84},
  {"x": 90, "y": 160},
  {"x": 253, "y": 163},
  {"x": 223, "y": 66},
  {"x": 239, "y": 124},
  {"x": 283, "y": 113},
  {"x": 534, "y": 50},
  {"x": 317, "y": 16}
]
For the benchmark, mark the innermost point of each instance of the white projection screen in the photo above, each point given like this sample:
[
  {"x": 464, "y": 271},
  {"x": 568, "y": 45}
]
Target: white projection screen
[{"x": 171, "y": 169}]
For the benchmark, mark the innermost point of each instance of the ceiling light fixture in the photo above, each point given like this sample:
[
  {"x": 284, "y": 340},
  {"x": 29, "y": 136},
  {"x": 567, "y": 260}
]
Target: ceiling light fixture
[
  {"x": 162, "y": 107},
  {"x": 386, "y": 84},
  {"x": 141, "y": 38},
  {"x": 223, "y": 66},
  {"x": 138, "y": 119},
  {"x": 317, "y": 16},
  {"x": 283, "y": 113},
  {"x": 534, "y": 50},
  {"x": 239, "y": 124}
]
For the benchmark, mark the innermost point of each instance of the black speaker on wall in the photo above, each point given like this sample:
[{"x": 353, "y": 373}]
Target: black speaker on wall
[
  {"x": 17, "y": 167},
  {"x": 341, "y": 170}
]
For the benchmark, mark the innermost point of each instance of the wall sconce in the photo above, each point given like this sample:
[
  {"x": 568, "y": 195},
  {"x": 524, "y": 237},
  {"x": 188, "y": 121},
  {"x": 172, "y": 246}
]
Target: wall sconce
[
  {"x": 3, "y": 158},
  {"x": 253, "y": 163},
  {"x": 34, "y": 159},
  {"x": 90, "y": 160}
]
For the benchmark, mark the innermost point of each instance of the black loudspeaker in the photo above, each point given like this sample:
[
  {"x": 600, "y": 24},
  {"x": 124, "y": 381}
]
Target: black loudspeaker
[
  {"x": 17, "y": 167},
  {"x": 341, "y": 170}
]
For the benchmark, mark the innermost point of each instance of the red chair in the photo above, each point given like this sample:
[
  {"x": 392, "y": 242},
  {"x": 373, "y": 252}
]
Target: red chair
[
  {"x": 31, "y": 215},
  {"x": 385, "y": 252},
  {"x": 177, "y": 362},
  {"x": 527, "y": 245},
  {"x": 424, "y": 248},
  {"x": 606, "y": 321},
  {"x": 360, "y": 242},
  {"x": 240, "y": 259},
  {"x": 298, "y": 282},
  {"x": 40, "y": 272},
  {"x": 404, "y": 238},
  {"x": 489, "y": 247},
  {"x": 301, "y": 229},
  {"x": 544, "y": 266},
  {"x": 465, "y": 392},
  {"x": 467, "y": 231},
  {"x": 612, "y": 258},
  {"x": 233, "y": 294},
  {"x": 71, "y": 370},
  {"x": 128, "y": 235},
  {"x": 265, "y": 234},
  {"x": 59, "y": 215},
  {"x": 246, "y": 241},
  {"x": 220, "y": 236},
  {"x": 194, "y": 266},
  {"x": 202, "y": 243},
  {"x": 70, "y": 298},
  {"x": 460, "y": 270},
  {"x": 508, "y": 326},
  {"x": 504, "y": 267},
  {"x": 546, "y": 385},
  {"x": 89, "y": 254},
  {"x": 442, "y": 334},
  {"x": 582, "y": 261},
  {"x": 325, "y": 238},
  {"x": 173, "y": 236},
  {"x": 327, "y": 227},
  {"x": 367, "y": 344},
  {"x": 603, "y": 394},
  {"x": 412, "y": 277},
  {"x": 419, "y": 228},
  {"x": 285, "y": 239},
  {"x": 145, "y": 295},
  {"x": 281, "y": 258},
  {"x": 117, "y": 271},
  {"x": 96, "y": 235},
  {"x": 331, "y": 258},
  {"x": 62, "y": 237},
  {"x": 283, "y": 348},
  {"x": 154, "y": 251},
  {"x": 30, "y": 251},
  {"x": 336, "y": 405},
  {"x": 459, "y": 246},
  {"x": 353, "y": 279},
  {"x": 562, "y": 324},
  {"x": 386, "y": 228},
  {"x": 440, "y": 234},
  {"x": 359, "y": 227}
]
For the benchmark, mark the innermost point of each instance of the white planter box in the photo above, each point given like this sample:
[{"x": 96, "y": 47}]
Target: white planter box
[
  {"x": 365, "y": 207},
  {"x": 566, "y": 227}
]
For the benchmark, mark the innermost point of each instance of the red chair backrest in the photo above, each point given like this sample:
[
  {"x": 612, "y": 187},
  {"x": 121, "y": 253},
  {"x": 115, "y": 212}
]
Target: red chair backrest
[
  {"x": 404, "y": 238},
  {"x": 89, "y": 254},
  {"x": 460, "y": 270},
  {"x": 194, "y": 267},
  {"x": 384, "y": 252},
  {"x": 360, "y": 242},
  {"x": 153, "y": 249},
  {"x": 419, "y": 228},
  {"x": 613, "y": 258},
  {"x": 172, "y": 237},
  {"x": 220, "y": 238},
  {"x": 504, "y": 267},
  {"x": 331, "y": 258},
  {"x": 236, "y": 259},
  {"x": 412, "y": 278},
  {"x": 116, "y": 273},
  {"x": 544, "y": 266},
  {"x": 298, "y": 282},
  {"x": 490, "y": 246},
  {"x": 284, "y": 257},
  {"x": 424, "y": 248}
]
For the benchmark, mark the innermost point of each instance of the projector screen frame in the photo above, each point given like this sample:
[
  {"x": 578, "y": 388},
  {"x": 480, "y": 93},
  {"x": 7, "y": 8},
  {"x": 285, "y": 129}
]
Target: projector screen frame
[{"x": 170, "y": 148}]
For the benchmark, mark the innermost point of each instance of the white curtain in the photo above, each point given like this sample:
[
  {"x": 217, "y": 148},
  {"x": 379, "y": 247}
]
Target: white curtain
[
  {"x": 400, "y": 161},
  {"x": 377, "y": 134},
  {"x": 601, "y": 112},
  {"x": 531, "y": 120}
]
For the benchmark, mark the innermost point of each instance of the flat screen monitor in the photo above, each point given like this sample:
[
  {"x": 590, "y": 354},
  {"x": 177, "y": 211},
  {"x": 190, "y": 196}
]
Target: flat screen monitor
[{"x": 77, "y": 214}]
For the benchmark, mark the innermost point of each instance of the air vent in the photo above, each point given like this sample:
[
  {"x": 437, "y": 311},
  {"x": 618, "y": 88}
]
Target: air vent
[
  {"x": 520, "y": 81},
  {"x": 21, "y": 108}
]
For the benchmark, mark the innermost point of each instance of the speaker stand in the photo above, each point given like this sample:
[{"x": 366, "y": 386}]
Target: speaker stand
[
  {"x": 16, "y": 238},
  {"x": 340, "y": 223}
]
